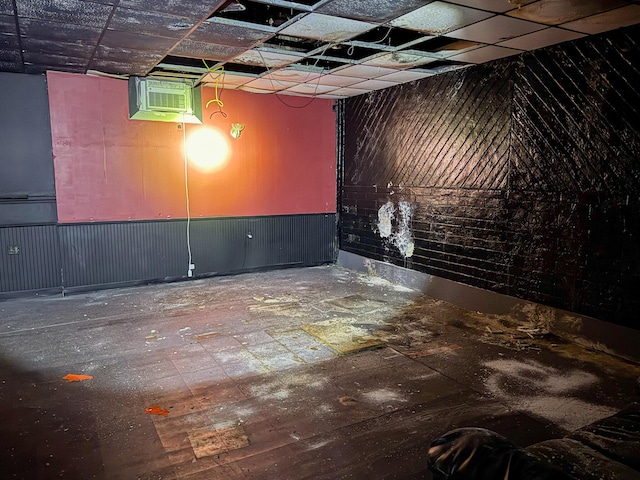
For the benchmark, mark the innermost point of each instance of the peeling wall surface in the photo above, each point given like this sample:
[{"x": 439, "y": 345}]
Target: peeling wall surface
[{"x": 522, "y": 176}]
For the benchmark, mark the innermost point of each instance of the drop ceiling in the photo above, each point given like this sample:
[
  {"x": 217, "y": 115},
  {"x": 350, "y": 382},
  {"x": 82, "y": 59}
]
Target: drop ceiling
[{"x": 322, "y": 48}]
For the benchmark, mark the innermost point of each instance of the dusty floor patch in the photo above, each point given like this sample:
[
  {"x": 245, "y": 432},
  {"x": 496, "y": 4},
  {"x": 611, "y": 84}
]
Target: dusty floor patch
[
  {"x": 343, "y": 335},
  {"x": 206, "y": 443}
]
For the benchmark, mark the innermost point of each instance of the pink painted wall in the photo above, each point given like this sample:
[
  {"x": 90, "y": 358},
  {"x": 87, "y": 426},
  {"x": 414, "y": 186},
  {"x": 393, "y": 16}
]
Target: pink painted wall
[{"x": 108, "y": 167}]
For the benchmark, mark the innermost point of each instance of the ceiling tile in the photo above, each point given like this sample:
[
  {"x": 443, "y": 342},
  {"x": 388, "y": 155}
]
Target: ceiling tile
[
  {"x": 10, "y": 66},
  {"x": 266, "y": 58},
  {"x": 72, "y": 49},
  {"x": 127, "y": 55},
  {"x": 150, "y": 23},
  {"x": 269, "y": 84},
  {"x": 374, "y": 85},
  {"x": 194, "y": 9},
  {"x": 293, "y": 74},
  {"x": 496, "y": 29},
  {"x": 349, "y": 92},
  {"x": 541, "y": 38},
  {"x": 380, "y": 11},
  {"x": 73, "y": 12},
  {"x": 58, "y": 31},
  {"x": 365, "y": 72},
  {"x": 10, "y": 42},
  {"x": 10, "y": 55},
  {"x": 338, "y": 80},
  {"x": 438, "y": 18},
  {"x": 498, "y": 6},
  {"x": 555, "y": 12},
  {"x": 401, "y": 59},
  {"x": 327, "y": 28},
  {"x": 311, "y": 88},
  {"x": 121, "y": 66},
  {"x": 6, "y": 7},
  {"x": 208, "y": 51},
  {"x": 8, "y": 25},
  {"x": 331, "y": 96},
  {"x": 55, "y": 60},
  {"x": 620, "y": 17},
  {"x": 485, "y": 54},
  {"x": 136, "y": 41},
  {"x": 405, "y": 76},
  {"x": 224, "y": 33},
  {"x": 254, "y": 90}
]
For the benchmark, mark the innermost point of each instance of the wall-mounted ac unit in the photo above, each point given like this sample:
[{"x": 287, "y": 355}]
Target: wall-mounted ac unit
[{"x": 164, "y": 101}]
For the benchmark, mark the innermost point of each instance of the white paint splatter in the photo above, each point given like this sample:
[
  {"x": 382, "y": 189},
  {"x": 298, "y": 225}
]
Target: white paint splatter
[
  {"x": 401, "y": 238},
  {"x": 386, "y": 214}
]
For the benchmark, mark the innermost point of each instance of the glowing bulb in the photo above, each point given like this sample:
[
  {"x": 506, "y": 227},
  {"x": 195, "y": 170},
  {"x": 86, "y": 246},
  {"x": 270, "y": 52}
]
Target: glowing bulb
[{"x": 207, "y": 149}]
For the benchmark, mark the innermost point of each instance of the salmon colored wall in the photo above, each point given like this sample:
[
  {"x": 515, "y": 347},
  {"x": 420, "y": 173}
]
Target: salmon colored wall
[{"x": 108, "y": 167}]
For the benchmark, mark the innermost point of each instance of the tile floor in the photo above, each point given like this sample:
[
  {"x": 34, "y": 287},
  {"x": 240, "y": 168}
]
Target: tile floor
[{"x": 316, "y": 373}]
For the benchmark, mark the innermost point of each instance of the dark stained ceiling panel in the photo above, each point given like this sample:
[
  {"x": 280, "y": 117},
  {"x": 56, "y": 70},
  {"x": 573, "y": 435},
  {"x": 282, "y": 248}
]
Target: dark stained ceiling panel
[
  {"x": 136, "y": 41},
  {"x": 376, "y": 11},
  {"x": 7, "y": 25},
  {"x": 254, "y": 38},
  {"x": 192, "y": 9},
  {"x": 150, "y": 23},
  {"x": 58, "y": 31},
  {"x": 71, "y": 49},
  {"x": 6, "y": 7},
  {"x": 208, "y": 51},
  {"x": 53, "y": 61},
  {"x": 230, "y": 34},
  {"x": 73, "y": 12}
]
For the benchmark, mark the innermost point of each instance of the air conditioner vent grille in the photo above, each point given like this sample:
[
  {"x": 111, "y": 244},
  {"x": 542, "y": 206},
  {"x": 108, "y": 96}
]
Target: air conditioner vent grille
[{"x": 167, "y": 100}]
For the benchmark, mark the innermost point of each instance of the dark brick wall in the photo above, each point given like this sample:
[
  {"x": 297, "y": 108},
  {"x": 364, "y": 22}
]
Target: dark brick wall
[{"x": 523, "y": 175}]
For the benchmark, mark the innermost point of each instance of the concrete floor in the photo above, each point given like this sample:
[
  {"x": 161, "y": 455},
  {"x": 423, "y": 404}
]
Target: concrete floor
[{"x": 262, "y": 376}]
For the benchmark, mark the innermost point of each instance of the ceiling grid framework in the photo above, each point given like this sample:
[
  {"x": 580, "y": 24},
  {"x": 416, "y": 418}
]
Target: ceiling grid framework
[{"x": 322, "y": 48}]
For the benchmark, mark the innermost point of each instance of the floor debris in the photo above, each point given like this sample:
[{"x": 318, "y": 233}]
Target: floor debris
[
  {"x": 344, "y": 335},
  {"x": 72, "y": 377},
  {"x": 207, "y": 443},
  {"x": 156, "y": 410}
]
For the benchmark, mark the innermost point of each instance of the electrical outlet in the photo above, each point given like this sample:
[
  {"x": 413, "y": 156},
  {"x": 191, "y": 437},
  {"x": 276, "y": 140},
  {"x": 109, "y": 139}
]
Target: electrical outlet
[
  {"x": 192, "y": 266},
  {"x": 190, "y": 273}
]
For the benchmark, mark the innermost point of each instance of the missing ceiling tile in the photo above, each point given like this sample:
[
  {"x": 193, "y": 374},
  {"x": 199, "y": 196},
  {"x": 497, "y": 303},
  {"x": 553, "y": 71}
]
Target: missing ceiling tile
[
  {"x": 294, "y": 44},
  {"x": 259, "y": 13},
  {"x": 321, "y": 64},
  {"x": 390, "y": 36},
  {"x": 242, "y": 68},
  {"x": 348, "y": 52},
  {"x": 444, "y": 45}
]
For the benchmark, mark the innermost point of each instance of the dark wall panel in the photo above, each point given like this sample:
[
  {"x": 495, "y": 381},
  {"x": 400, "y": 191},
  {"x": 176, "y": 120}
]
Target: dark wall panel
[
  {"x": 29, "y": 258},
  {"x": 432, "y": 133},
  {"x": 97, "y": 254},
  {"x": 27, "y": 191},
  {"x": 522, "y": 176}
]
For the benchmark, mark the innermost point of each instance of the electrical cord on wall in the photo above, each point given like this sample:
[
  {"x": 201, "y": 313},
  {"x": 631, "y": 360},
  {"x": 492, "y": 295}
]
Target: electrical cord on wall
[{"x": 186, "y": 191}]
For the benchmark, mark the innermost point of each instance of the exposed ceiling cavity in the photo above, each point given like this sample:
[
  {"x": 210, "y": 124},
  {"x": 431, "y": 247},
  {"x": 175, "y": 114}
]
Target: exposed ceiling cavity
[{"x": 323, "y": 48}]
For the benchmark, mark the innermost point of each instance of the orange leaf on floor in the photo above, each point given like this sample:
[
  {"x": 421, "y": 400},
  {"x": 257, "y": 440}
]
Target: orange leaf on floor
[
  {"x": 156, "y": 410},
  {"x": 72, "y": 377}
]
